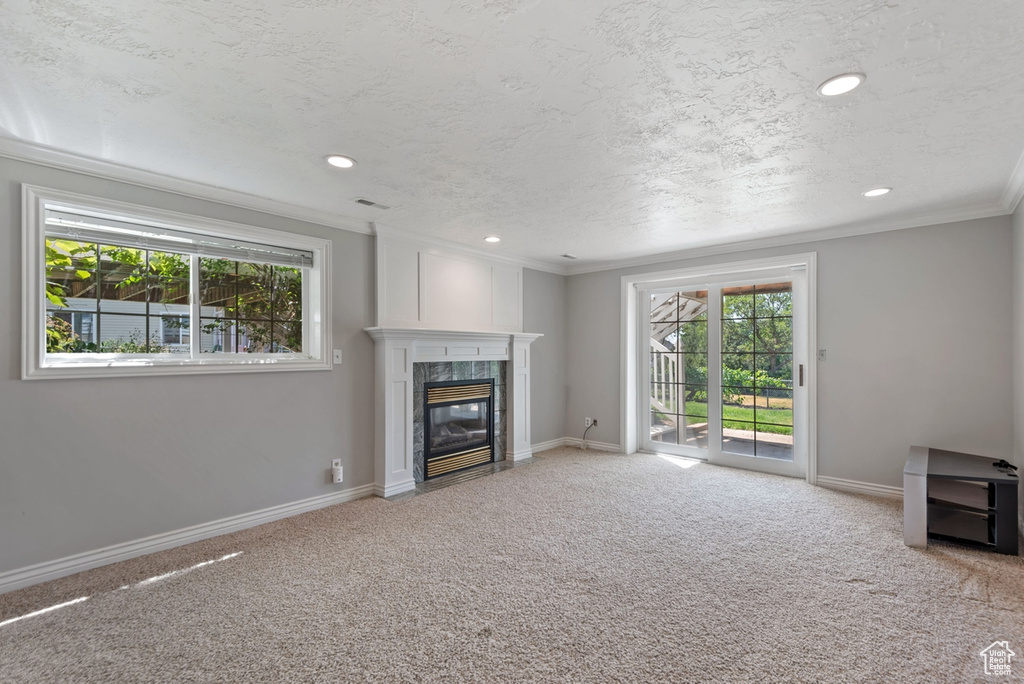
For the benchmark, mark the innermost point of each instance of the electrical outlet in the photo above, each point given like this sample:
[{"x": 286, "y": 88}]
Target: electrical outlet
[
  {"x": 595, "y": 422},
  {"x": 822, "y": 354},
  {"x": 336, "y": 463},
  {"x": 587, "y": 422}
]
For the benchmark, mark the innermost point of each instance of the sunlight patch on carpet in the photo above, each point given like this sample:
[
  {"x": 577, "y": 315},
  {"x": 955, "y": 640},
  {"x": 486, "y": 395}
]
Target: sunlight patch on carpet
[
  {"x": 177, "y": 573},
  {"x": 680, "y": 461},
  {"x": 43, "y": 611}
]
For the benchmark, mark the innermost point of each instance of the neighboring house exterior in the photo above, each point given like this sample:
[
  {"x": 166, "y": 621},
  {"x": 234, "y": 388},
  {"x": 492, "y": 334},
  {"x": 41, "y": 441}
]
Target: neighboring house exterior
[{"x": 126, "y": 320}]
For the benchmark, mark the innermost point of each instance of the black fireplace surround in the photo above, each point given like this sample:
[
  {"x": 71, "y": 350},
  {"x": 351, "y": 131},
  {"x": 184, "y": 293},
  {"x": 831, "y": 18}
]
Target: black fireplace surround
[{"x": 458, "y": 425}]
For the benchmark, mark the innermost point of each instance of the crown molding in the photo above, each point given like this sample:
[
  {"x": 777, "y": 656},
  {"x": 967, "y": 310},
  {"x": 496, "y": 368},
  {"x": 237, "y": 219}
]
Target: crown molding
[
  {"x": 882, "y": 225},
  {"x": 34, "y": 153},
  {"x": 1014, "y": 187},
  {"x": 43, "y": 155},
  {"x": 391, "y": 232}
]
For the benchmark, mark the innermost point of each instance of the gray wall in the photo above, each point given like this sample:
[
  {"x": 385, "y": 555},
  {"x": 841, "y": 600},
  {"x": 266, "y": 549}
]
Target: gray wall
[
  {"x": 544, "y": 297},
  {"x": 89, "y": 463},
  {"x": 80, "y": 468},
  {"x": 918, "y": 337}
]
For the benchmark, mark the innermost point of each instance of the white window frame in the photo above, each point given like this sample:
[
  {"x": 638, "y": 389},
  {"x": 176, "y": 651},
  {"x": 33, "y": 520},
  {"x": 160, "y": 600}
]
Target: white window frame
[{"x": 37, "y": 364}]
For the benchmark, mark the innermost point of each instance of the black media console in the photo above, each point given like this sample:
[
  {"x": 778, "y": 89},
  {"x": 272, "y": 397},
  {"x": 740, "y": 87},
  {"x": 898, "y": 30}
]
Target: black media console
[{"x": 961, "y": 498}]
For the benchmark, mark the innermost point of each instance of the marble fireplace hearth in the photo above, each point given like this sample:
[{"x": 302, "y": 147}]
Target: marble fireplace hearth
[{"x": 406, "y": 358}]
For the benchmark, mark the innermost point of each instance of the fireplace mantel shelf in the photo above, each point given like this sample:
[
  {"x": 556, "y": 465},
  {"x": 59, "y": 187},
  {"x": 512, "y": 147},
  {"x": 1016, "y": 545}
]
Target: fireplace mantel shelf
[
  {"x": 428, "y": 334},
  {"x": 397, "y": 349}
]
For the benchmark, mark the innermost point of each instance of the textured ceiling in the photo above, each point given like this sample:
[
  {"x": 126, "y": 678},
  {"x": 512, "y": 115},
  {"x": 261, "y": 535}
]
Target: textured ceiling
[{"x": 610, "y": 130}]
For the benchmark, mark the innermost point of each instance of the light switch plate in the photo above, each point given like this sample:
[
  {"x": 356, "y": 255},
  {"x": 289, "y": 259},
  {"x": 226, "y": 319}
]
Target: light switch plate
[{"x": 337, "y": 356}]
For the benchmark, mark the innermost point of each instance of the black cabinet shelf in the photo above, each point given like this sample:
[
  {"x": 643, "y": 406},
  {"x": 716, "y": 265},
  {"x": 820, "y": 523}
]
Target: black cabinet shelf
[
  {"x": 962, "y": 494},
  {"x": 962, "y": 526}
]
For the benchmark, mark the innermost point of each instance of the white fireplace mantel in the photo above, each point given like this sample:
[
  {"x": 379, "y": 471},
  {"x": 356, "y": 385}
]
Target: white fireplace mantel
[{"x": 397, "y": 349}]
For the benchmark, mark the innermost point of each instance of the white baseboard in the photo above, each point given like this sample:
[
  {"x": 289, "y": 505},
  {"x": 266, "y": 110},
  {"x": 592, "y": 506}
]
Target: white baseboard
[
  {"x": 394, "y": 489},
  {"x": 519, "y": 455},
  {"x": 591, "y": 444},
  {"x": 860, "y": 487},
  {"x": 549, "y": 445},
  {"x": 43, "y": 572},
  {"x": 575, "y": 442}
]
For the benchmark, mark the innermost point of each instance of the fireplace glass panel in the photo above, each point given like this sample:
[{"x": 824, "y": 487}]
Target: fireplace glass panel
[{"x": 458, "y": 426}]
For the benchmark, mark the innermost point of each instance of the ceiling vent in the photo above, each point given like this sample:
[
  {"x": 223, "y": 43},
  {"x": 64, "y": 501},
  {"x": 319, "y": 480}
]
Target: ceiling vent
[{"x": 368, "y": 203}]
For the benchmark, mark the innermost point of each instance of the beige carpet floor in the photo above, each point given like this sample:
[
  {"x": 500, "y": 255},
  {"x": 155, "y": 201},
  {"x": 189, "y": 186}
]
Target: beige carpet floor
[{"x": 582, "y": 567}]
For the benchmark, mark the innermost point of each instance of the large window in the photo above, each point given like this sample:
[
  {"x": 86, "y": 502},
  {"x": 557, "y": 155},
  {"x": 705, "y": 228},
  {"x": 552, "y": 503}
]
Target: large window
[{"x": 115, "y": 289}]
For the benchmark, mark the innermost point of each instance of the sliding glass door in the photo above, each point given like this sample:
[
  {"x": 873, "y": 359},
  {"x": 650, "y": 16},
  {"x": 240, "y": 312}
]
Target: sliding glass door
[{"x": 727, "y": 368}]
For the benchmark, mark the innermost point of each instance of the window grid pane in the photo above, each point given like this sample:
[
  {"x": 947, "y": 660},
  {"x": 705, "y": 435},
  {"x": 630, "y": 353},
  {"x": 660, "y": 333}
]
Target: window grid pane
[
  {"x": 138, "y": 302},
  {"x": 257, "y": 307}
]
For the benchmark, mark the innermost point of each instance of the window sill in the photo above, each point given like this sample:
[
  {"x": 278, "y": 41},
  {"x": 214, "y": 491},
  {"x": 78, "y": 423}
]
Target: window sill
[{"x": 69, "y": 366}]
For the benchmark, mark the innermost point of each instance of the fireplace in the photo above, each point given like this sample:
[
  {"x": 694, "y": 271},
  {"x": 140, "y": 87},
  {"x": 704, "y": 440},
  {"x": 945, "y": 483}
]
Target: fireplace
[
  {"x": 403, "y": 357},
  {"x": 458, "y": 425}
]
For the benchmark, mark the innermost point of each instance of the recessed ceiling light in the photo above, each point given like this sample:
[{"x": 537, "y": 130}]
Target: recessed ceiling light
[
  {"x": 843, "y": 83},
  {"x": 492, "y": 238},
  {"x": 878, "y": 192},
  {"x": 341, "y": 161}
]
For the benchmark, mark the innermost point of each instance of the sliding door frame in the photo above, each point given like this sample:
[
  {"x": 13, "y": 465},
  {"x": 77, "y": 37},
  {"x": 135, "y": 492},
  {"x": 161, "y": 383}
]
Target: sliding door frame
[{"x": 634, "y": 409}]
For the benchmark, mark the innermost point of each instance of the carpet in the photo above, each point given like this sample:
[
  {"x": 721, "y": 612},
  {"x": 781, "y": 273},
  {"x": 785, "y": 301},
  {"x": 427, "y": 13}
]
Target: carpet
[{"x": 581, "y": 567}]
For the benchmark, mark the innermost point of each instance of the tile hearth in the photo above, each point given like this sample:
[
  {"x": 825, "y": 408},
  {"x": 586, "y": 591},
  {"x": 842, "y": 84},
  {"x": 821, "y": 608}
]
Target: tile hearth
[{"x": 461, "y": 476}]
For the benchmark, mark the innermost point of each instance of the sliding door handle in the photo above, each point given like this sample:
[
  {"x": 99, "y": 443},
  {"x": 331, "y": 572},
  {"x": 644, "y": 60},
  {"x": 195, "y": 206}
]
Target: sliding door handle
[{"x": 801, "y": 375}]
